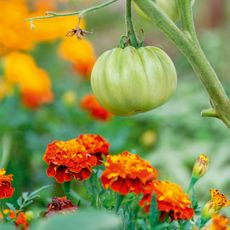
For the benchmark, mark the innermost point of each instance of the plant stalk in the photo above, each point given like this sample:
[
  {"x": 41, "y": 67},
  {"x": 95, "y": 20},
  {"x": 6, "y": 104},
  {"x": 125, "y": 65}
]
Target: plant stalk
[{"x": 193, "y": 52}]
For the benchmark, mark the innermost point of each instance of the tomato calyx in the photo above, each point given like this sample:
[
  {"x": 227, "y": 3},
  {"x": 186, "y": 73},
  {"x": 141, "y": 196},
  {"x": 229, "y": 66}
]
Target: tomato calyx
[{"x": 127, "y": 40}]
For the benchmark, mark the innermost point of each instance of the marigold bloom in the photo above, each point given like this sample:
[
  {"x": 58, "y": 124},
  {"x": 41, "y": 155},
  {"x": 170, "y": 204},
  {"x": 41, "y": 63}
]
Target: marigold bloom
[
  {"x": 60, "y": 205},
  {"x": 34, "y": 83},
  {"x": 218, "y": 222},
  {"x": 80, "y": 52},
  {"x": 90, "y": 103},
  {"x": 217, "y": 202},
  {"x": 6, "y": 189},
  {"x": 170, "y": 199},
  {"x": 127, "y": 172},
  {"x": 68, "y": 159},
  {"x": 95, "y": 145},
  {"x": 200, "y": 167}
]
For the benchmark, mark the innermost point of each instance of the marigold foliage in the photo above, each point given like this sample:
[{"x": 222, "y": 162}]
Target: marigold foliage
[
  {"x": 60, "y": 205},
  {"x": 6, "y": 189},
  {"x": 80, "y": 52},
  {"x": 90, "y": 104},
  {"x": 127, "y": 172},
  {"x": 170, "y": 199},
  {"x": 75, "y": 157}
]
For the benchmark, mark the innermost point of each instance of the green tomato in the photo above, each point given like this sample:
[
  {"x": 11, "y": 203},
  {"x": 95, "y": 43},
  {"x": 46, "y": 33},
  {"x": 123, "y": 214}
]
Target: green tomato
[
  {"x": 169, "y": 7},
  {"x": 129, "y": 81}
]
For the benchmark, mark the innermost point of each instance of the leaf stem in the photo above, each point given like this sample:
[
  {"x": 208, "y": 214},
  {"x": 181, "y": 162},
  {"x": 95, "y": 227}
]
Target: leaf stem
[{"x": 51, "y": 14}]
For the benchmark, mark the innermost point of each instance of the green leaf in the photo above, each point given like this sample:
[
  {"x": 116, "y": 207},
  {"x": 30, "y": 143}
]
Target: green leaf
[
  {"x": 154, "y": 213},
  {"x": 87, "y": 220}
]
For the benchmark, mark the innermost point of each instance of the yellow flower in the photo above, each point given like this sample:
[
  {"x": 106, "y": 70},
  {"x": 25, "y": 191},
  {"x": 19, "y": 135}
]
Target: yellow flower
[
  {"x": 34, "y": 83},
  {"x": 217, "y": 202},
  {"x": 80, "y": 53}
]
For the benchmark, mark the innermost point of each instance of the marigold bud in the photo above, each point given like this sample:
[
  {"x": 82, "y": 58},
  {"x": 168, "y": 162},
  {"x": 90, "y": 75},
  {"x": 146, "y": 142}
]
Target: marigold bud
[{"x": 200, "y": 167}]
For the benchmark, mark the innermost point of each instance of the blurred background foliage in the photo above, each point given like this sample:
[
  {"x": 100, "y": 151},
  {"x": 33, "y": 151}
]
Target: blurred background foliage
[{"x": 171, "y": 137}]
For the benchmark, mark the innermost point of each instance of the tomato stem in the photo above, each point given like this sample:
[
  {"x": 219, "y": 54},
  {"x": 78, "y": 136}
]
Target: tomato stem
[
  {"x": 187, "y": 42},
  {"x": 129, "y": 24}
]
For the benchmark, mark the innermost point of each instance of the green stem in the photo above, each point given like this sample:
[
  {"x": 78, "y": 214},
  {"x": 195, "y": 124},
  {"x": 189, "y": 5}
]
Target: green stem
[
  {"x": 67, "y": 189},
  {"x": 51, "y": 14},
  {"x": 186, "y": 14},
  {"x": 6, "y": 147},
  {"x": 129, "y": 24},
  {"x": 191, "y": 184},
  {"x": 194, "y": 54}
]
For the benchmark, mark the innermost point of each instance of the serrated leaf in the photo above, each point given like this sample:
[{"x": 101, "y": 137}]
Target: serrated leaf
[
  {"x": 11, "y": 206},
  {"x": 25, "y": 195},
  {"x": 19, "y": 201},
  {"x": 87, "y": 220}
]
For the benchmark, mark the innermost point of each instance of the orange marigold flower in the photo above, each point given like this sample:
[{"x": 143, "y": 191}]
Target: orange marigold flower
[
  {"x": 18, "y": 217},
  {"x": 217, "y": 202},
  {"x": 68, "y": 159},
  {"x": 60, "y": 205},
  {"x": 90, "y": 103},
  {"x": 219, "y": 222},
  {"x": 95, "y": 145},
  {"x": 80, "y": 52},
  {"x": 34, "y": 83},
  {"x": 21, "y": 221},
  {"x": 6, "y": 189},
  {"x": 127, "y": 172},
  {"x": 170, "y": 199}
]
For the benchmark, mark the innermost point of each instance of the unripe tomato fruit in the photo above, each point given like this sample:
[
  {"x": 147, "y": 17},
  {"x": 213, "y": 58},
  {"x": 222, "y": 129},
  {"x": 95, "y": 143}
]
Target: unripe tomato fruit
[
  {"x": 169, "y": 7},
  {"x": 128, "y": 81}
]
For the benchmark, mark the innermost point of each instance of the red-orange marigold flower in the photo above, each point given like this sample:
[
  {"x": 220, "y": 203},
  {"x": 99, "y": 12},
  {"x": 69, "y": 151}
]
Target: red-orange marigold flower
[
  {"x": 60, "y": 205},
  {"x": 18, "y": 217},
  {"x": 68, "y": 159},
  {"x": 170, "y": 199},
  {"x": 6, "y": 189},
  {"x": 127, "y": 172},
  {"x": 95, "y": 145},
  {"x": 90, "y": 104},
  {"x": 21, "y": 221}
]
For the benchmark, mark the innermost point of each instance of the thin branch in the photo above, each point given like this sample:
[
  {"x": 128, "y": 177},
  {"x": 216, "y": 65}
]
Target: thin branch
[{"x": 51, "y": 14}]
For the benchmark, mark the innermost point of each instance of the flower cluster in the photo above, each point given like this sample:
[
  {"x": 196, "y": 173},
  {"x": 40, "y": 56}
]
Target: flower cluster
[
  {"x": 60, "y": 205},
  {"x": 127, "y": 172},
  {"x": 171, "y": 200},
  {"x": 75, "y": 157},
  {"x": 6, "y": 189},
  {"x": 19, "y": 218},
  {"x": 34, "y": 83},
  {"x": 90, "y": 104}
]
